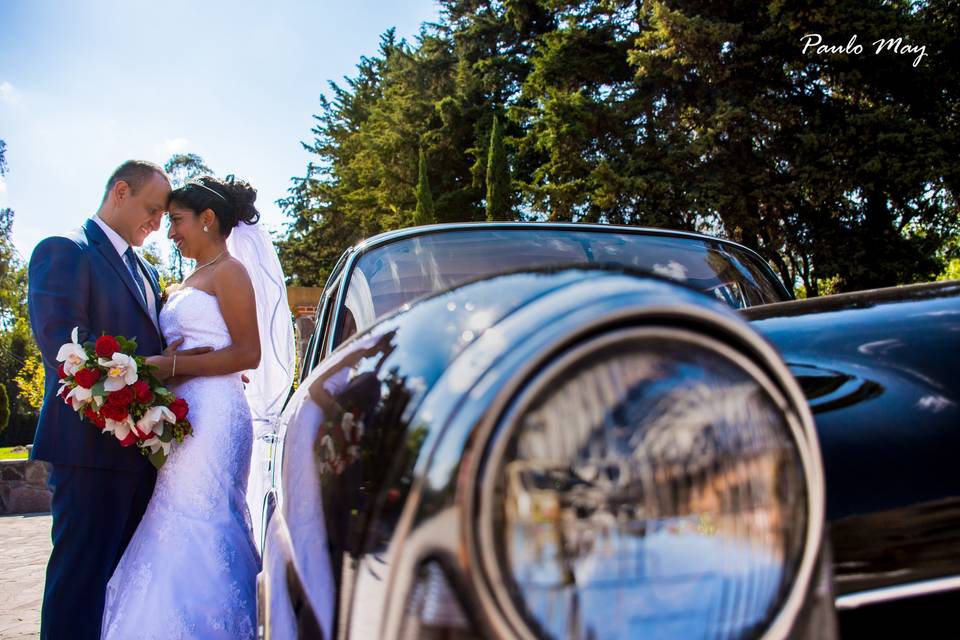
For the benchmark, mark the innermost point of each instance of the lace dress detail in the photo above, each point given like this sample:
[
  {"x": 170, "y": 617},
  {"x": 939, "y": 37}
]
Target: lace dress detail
[{"x": 190, "y": 569}]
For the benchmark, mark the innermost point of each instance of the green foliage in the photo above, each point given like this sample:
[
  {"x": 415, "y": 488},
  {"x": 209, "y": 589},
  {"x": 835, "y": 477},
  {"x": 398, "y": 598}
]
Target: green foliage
[
  {"x": 30, "y": 380},
  {"x": 183, "y": 167},
  {"x": 4, "y": 408},
  {"x": 840, "y": 169},
  {"x": 498, "y": 176},
  {"x": 424, "y": 213},
  {"x": 17, "y": 347},
  {"x": 952, "y": 272}
]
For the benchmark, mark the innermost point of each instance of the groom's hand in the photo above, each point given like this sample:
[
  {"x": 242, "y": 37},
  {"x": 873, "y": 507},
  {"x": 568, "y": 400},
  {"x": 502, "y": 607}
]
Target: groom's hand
[
  {"x": 174, "y": 348},
  {"x": 164, "y": 362}
]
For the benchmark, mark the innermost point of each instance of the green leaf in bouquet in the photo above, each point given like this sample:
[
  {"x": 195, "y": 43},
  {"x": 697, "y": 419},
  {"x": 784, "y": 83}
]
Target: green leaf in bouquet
[
  {"x": 166, "y": 436},
  {"x": 97, "y": 389},
  {"x": 127, "y": 345},
  {"x": 157, "y": 459}
]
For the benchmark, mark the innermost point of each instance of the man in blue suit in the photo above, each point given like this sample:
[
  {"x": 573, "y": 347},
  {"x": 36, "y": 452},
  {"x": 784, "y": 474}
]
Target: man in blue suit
[{"x": 92, "y": 279}]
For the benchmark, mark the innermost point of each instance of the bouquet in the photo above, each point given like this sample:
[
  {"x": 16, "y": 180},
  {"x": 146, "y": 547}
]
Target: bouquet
[{"x": 115, "y": 390}]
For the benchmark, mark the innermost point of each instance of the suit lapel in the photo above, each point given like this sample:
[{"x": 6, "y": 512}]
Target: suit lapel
[{"x": 107, "y": 250}]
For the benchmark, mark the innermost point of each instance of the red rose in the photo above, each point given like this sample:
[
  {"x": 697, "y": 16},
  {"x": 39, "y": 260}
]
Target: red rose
[
  {"x": 86, "y": 378},
  {"x": 142, "y": 392},
  {"x": 94, "y": 417},
  {"x": 61, "y": 373},
  {"x": 107, "y": 346},
  {"x": 129, "y": 440},
  {"x": 121, "y": 397},
  {"x": 114, "y": 412},
  {"x": 180, "y": 408}
]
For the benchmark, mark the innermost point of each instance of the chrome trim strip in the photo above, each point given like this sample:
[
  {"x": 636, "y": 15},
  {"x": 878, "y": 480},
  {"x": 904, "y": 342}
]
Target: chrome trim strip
[
  {"x": 409, "y": 232},
  {"x": 898, "y": 592},
  {"x": 341, "y": 300}
]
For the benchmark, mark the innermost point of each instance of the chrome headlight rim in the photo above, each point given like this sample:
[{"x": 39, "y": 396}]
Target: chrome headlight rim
[{"x": 712, "y": 330}]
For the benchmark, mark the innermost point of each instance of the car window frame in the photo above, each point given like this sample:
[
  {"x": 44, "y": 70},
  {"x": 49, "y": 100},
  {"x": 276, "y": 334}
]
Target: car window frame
[{"x": 350, "y": 260}]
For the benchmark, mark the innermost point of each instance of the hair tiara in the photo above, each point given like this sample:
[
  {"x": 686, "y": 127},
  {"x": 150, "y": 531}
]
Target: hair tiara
[{"x": 197, "y": 183}]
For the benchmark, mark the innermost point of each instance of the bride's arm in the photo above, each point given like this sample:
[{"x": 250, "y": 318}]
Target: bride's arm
[{"x": 234, "y": 292}]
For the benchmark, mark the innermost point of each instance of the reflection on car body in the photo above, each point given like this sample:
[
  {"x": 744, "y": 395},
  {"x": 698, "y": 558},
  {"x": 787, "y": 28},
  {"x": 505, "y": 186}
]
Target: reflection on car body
[{"x": 537, "y": 430}]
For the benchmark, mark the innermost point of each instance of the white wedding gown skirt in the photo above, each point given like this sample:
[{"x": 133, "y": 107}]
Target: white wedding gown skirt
[{"x": 190, "y": 569}]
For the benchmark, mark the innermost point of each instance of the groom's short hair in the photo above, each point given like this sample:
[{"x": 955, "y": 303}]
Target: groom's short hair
[{"x": 135, "y": 173}]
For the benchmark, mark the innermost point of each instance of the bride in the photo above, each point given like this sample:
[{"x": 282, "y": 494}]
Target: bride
[{"x": 190, "y": 569}]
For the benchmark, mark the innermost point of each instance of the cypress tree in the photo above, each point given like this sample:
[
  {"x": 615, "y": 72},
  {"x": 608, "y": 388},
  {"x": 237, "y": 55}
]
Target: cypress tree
[
  {"x": 498, "y": 176},
  {"x": 424, "y": 213}
]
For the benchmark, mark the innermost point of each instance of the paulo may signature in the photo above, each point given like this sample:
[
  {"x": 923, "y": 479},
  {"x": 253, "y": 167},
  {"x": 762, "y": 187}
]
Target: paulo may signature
[{"x": 813, "y": 43}]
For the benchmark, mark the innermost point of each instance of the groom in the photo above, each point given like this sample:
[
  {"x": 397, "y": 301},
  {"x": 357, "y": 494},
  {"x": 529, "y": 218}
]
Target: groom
[{"x": 90, "y": 278}]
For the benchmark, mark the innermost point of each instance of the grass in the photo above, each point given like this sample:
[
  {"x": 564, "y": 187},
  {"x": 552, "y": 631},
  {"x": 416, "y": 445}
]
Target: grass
[{"x": 13, "y": 453}]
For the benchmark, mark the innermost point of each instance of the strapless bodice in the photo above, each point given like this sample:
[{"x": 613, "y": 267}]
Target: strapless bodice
[{"x": 194, "y": 315}]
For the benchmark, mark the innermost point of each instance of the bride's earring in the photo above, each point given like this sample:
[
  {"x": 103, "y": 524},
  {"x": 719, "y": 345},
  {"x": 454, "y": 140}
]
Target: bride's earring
[{"x": 205, "y": 228}]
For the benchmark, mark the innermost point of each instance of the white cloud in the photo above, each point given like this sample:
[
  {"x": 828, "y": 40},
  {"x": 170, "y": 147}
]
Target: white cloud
[
  {"x": 10, "y": 94},
  {"x": 175, "y": 145},
  {"x": 3, "y": 186},
  {"x": 672, "y": 269}
]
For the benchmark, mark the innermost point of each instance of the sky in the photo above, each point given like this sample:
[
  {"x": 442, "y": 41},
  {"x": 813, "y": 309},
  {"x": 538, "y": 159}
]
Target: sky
[{"x": 87, "y": 85}]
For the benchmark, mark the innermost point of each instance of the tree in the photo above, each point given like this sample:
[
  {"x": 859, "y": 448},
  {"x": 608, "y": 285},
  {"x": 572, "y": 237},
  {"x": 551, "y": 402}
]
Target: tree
[
  {"x": 498, "y": 176},
  {"x": 30, "y": 381},
  {"x": 424, "y": 212},
  {"x": 691, "y": 115},
  {"x": 182, "y": 168},
  {"x": 16, "y": 338}
]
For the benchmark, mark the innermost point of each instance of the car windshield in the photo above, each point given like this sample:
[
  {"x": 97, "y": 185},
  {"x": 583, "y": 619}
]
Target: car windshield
[{"x": 389, "y": 276}]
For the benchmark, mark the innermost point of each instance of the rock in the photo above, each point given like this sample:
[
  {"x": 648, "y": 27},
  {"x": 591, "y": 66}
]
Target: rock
[
  {"x": 23, "y": 487},
  {"x": 28, "y": 499},
  {"x": 37, "y": 472}
]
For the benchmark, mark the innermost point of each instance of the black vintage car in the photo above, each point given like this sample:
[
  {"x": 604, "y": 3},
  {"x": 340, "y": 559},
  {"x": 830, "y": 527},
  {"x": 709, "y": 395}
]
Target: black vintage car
[{"x": 578, "y": 431}]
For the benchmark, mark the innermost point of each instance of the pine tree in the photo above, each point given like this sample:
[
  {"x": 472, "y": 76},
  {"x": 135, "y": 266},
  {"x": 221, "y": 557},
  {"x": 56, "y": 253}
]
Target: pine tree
[
  {"x": 692, "y": 115},
  {"x": 498, "y": 176},
  {"x": 424, "y": 213}
]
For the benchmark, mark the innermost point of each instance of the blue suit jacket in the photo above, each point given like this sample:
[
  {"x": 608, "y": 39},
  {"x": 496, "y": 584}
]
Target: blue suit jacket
[{"x": 79, "y": 280}]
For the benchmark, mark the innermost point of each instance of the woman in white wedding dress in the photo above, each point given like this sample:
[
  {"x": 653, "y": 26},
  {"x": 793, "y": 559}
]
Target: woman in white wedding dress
[{"x": 190, "y": 569}]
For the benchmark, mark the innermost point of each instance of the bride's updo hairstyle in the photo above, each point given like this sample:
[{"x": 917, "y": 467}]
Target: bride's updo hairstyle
[{"x": 230, "y": 200}]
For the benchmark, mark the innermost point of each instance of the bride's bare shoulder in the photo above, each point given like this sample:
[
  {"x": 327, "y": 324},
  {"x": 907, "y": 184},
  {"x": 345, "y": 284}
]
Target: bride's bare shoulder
[{"x": 231, "y": 273}]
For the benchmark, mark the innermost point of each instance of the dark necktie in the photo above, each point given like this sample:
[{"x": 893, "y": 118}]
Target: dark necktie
[{"x": 131, "y": 261}]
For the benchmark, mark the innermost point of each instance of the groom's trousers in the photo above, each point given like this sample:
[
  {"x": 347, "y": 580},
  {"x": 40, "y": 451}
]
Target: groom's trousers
[{"x": 95, "y": 512}]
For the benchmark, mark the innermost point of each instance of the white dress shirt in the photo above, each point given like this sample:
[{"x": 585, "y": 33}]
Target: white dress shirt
[{"x": 121, "y": 246}]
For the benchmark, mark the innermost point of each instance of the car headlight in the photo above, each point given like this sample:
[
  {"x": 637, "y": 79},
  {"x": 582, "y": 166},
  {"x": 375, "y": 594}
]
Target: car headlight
[{"x": 648, "y": 483}]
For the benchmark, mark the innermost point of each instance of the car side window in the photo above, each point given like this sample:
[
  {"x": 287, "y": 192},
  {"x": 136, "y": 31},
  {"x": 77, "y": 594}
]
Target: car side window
[{"x": 320, "y": 351}]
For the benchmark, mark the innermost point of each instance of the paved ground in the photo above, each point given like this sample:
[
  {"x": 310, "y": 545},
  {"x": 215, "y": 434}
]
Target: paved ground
[{"x": 24, "y": 549}]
